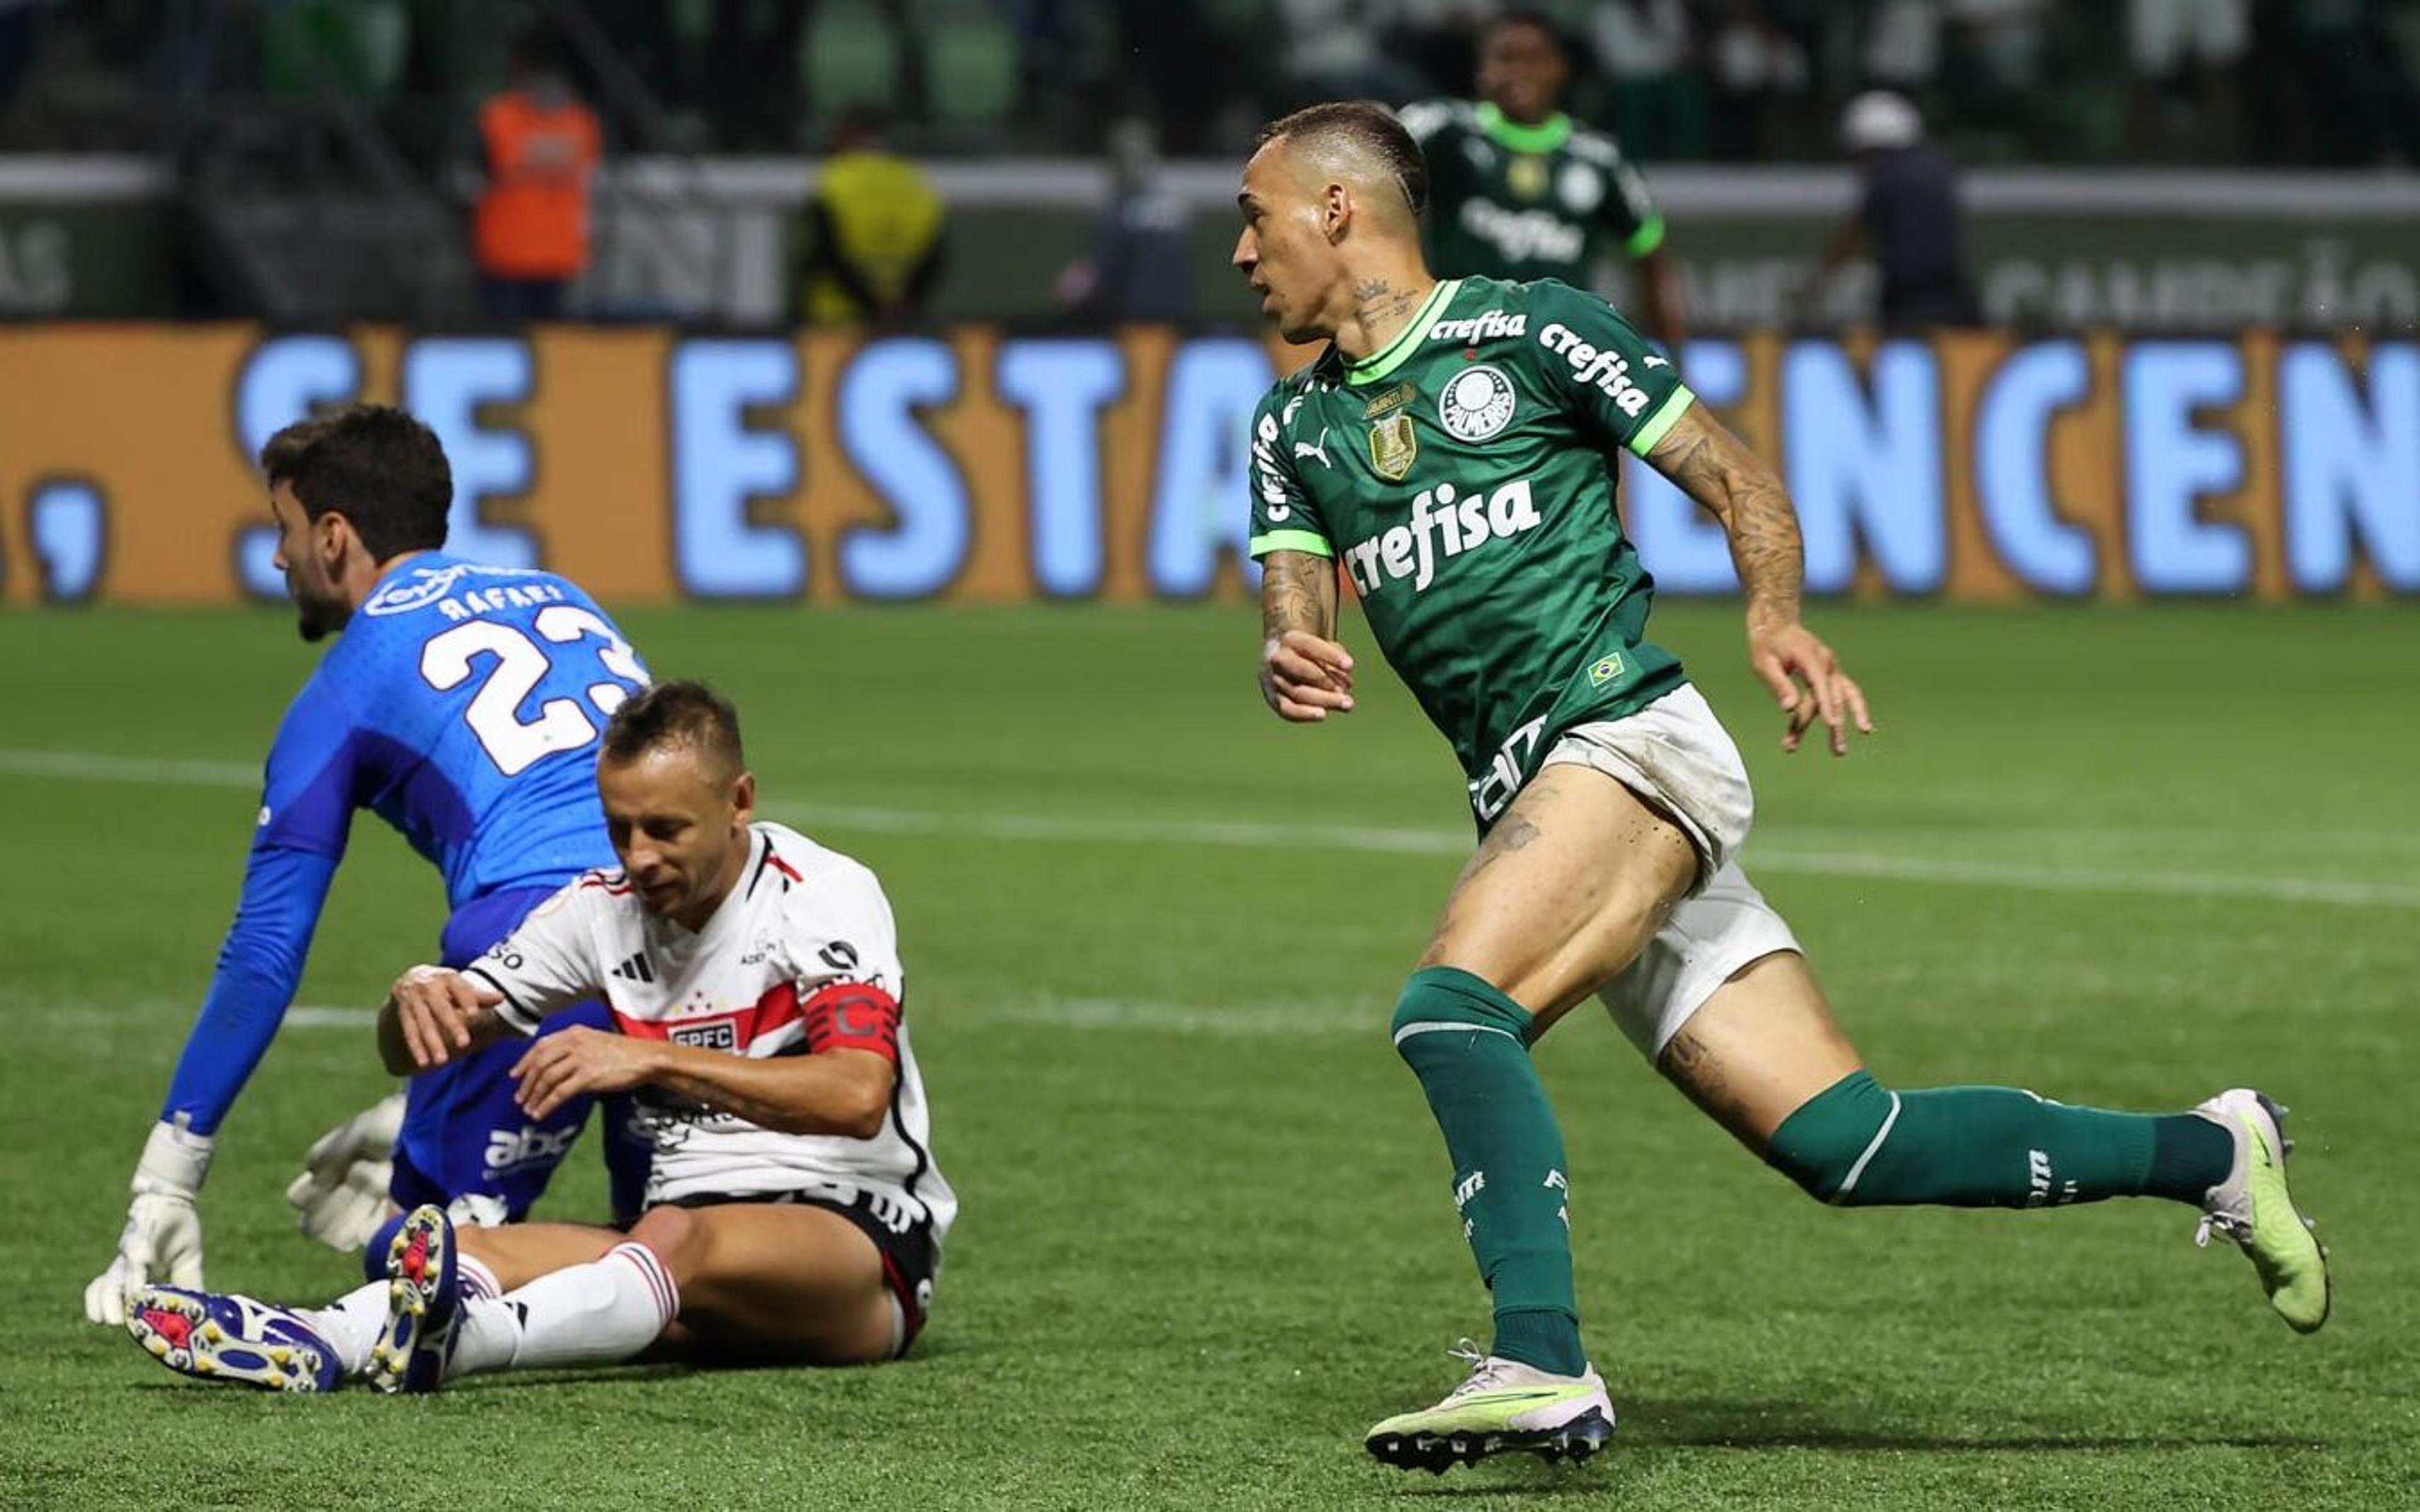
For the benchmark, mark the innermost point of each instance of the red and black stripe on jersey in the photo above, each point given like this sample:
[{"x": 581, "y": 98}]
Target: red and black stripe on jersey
[{"x": 846, "y": 1015}]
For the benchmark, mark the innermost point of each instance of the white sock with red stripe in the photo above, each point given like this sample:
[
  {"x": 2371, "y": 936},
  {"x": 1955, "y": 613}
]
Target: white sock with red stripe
[
  {"x": 592, "y": 1314},
  {"x": 475, "y": 1277},
  {"x": 350, "y": 1324}
]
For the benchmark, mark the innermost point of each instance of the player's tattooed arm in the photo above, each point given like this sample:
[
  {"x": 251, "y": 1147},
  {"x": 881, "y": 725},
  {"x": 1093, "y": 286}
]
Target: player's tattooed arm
[
  {"x": 1732, "y": 483},
  {"x": 1303, "y": 671},
  {"x": 1297, "y": 592},
  {"x": 1735, "y": 486}
]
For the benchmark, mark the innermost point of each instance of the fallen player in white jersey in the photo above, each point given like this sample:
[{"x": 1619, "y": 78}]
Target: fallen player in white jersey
[{"x": 794, "y": 1215}]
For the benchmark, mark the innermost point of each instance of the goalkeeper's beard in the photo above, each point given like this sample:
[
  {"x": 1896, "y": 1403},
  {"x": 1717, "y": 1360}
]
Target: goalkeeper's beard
[{"x": 317, "y": 618}]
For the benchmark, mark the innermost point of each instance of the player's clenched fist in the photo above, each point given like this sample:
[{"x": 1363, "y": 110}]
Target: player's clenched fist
[
  {"x": 1303, "y": 676},
  {"x": 436, "y": 1014}
]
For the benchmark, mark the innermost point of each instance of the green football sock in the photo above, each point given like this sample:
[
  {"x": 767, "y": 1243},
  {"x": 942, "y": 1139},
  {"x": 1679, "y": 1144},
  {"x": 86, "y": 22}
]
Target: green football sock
[
  {"x": 1859, "y": 1144},
  {"x": 1468, "y": 1044}
]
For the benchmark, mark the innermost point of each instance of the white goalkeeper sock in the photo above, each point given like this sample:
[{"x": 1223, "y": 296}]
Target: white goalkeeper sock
[
  {"x": 592, "y": 1314},
  {"x": 352, "y": 1324}
]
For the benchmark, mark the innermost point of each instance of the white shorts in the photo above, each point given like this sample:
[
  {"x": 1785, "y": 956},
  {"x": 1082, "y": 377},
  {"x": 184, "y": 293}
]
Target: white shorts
[
  {"x": 1675, "y": 754},
  {"x": 1710, "y": 936}
]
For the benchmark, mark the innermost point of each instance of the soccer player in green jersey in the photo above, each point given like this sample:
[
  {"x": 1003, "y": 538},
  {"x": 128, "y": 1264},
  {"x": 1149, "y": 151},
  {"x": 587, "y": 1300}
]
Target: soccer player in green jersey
[
  {"x": 1519, "y": 189},
  {"x": 1452, "y": 451}
]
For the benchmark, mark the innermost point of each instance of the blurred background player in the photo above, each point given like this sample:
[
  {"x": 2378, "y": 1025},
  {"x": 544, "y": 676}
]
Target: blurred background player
[
  {"x": 795, "y": 1215},
  {"x": 416, "y": 714},
  {"x": 539, "y": 145},
  {"x": 1907, "y": 219},
  {"x": 875, "y": 236},
  {"x": 1521, "y": 191},
  {"x": 1468, "y": 488},
  {"x": 1135, "y": 270}
]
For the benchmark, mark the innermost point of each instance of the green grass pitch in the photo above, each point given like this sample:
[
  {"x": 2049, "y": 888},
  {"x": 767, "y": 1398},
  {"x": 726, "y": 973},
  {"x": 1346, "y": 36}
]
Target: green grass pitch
[{"x": 1153, "y": 937}]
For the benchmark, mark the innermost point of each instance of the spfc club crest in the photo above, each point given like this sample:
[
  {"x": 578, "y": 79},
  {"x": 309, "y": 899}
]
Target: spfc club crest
[{"x": 1394, "y": 446}]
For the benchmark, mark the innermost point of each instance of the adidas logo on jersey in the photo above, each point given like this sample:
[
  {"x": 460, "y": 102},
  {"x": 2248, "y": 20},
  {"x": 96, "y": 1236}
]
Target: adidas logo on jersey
[
  {"x": 636, "y": 969},
  {"x": 1487, "y": 327},
  {"x": 1444, "y": 523}
]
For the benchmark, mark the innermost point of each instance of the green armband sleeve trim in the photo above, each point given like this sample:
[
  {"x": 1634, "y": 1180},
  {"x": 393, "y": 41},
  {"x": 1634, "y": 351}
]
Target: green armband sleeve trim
[
  {"x": 1646, "y": 238},
  {"x": 1667, "y": 415},
  {"x": 1309, "y": 541}
]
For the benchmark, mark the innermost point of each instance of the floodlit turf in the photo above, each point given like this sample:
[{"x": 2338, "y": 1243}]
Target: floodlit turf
[{"x": 1153, "y": 937}]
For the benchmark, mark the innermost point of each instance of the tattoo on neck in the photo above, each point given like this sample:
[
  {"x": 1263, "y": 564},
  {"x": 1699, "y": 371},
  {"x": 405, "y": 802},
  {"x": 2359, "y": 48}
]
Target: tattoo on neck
[{"x": 1380, "y": 308}]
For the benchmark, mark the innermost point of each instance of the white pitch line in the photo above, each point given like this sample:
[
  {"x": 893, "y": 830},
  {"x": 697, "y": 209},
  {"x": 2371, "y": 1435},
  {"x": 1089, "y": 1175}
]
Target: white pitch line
[
  {"x": 1775, "y": 854},
  {"x": 1250, "y": 1020},
  {"x": 313, "y": 1016},
  {"x": 85, "y": 766},
  {"x": 2038, "y": 878}
]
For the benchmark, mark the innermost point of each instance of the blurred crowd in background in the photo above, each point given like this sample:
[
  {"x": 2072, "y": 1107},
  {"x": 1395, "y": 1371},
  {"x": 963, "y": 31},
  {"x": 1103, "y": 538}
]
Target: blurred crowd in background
[{"x": 2333, "y": 82}]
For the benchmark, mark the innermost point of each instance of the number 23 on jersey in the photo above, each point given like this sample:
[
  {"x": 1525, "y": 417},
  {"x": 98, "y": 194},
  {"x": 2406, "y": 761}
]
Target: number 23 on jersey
[{"x": 516, "y": 665}]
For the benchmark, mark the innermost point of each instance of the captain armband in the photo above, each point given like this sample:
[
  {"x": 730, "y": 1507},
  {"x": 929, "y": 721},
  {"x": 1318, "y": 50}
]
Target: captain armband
[{"x": 852, "y": 1015}]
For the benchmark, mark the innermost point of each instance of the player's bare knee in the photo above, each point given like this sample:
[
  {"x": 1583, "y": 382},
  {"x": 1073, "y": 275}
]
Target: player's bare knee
[{"x": 676, "y": 1236}]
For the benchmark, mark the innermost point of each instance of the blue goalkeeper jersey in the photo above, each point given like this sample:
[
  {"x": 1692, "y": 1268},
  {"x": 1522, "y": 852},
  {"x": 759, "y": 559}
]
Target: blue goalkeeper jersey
[{"x": 461, "y": 704}]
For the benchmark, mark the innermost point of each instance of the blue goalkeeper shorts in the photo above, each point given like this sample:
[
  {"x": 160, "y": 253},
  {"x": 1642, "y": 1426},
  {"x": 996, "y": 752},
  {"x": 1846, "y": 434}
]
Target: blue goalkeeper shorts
[{"x": 462, "y": 1135}]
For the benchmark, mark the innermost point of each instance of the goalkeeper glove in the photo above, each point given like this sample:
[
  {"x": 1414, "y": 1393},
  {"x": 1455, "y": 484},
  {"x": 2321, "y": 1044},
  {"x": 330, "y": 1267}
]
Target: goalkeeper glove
[
  {"x": 163, "y": 1237},
  {"x": 342, "y": 1192}
]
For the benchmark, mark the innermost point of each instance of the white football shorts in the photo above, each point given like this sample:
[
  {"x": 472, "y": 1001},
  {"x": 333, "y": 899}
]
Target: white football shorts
[
  {"x": 1708, "y": 938},
  {"x": 1677, "y": 755}
]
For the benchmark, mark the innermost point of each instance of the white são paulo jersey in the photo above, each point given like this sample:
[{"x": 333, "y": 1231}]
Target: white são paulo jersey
[{"x": 800, "y": 957}]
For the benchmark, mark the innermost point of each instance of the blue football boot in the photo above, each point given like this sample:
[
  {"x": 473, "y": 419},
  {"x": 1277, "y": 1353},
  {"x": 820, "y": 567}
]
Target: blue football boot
[
  {"x": 424, "y": 1306},
  {"x": 211, "y": 1337}
]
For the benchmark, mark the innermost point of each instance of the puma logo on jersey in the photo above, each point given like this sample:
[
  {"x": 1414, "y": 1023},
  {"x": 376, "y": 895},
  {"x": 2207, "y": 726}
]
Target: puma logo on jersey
[
  {"x": 1319, "y": 450},
  {"x": 1607, "y": 371},
  {"x": 1488, "y": 327},
  {"x": 1444, "y": 524}
]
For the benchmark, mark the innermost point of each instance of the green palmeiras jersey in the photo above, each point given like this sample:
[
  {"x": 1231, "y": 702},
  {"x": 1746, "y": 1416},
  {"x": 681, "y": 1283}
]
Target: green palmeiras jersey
[
  {"x": 1517, "y": 201},
  {"x": 1465, "y": 479}
]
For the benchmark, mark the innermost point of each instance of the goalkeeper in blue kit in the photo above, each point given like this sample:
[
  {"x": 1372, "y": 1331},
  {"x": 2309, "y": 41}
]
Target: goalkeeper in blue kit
[{"x": 461, "y": 705}]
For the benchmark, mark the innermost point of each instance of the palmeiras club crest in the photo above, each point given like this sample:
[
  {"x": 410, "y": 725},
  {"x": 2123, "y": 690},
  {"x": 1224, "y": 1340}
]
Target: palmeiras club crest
[{"x": 1476, "y": 403}]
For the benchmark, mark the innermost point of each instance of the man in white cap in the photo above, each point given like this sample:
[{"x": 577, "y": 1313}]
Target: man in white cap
[{"x": 1907, "y": 218}]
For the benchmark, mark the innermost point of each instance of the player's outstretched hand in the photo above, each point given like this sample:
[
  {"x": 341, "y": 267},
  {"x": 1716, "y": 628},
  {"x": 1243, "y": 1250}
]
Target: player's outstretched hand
[
  {"x": 1303, "y": 676},
  {"x": 1807, "y": 679},
  {"x": 342, "y": 1194},
  {"x": 577, "y": 1063},
  {"x": 440, "y": 1012}
]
